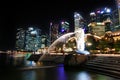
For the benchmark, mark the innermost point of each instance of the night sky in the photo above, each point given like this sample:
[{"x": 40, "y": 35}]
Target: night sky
[{"x": 20, "y": 14}]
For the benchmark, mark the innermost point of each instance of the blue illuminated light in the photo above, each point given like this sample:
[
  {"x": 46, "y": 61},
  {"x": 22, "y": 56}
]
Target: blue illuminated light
[
  {"x": 83, "y": 76},
  {"x": 108, "y": 10},
  {"x": 62, "y": 30},
  {"x": 102, "y": 12}
]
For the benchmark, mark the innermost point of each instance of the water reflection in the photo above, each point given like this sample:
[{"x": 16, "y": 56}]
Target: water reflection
[
  {"x": 61, "y": 75},
  {"x": 30, "y": 63},
  {"x": 29, "y": 75},
  {"x": 83, "y": 76},
  {"x": 54, "y": 73}
]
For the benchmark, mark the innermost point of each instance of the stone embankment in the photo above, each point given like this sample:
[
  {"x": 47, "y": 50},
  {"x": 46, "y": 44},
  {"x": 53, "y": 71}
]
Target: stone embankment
[
  {"x": 47, "y": 58},
  {"x": 105, "y": 63},
  {"x": 74, "y": 60}
]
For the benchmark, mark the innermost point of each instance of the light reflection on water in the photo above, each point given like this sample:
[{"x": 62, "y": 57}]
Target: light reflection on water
[
  {"x": 29, "y": 75},
  {"x": 54, "y": 73},
  {"x": 61, "y": 75},
  {"x": 83, "y": 76},
  {"x": 30, "y": 63}
]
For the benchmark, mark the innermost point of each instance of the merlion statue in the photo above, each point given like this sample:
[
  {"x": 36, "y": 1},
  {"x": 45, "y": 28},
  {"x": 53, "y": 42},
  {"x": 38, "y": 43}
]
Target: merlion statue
[{"x": 80, "y": 36}]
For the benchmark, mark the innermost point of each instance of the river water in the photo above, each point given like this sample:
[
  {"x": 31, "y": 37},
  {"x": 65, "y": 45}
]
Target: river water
[
  {"x": 51, "y": 72},
  {"x": 20, "y": 69}
]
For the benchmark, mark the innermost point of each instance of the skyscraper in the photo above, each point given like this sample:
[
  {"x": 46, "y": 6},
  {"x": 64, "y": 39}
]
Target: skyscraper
[
  {"x": 118, "y": 7},
  {"x": 54, "y": 32},
  {"x": 33, "y": 39},
  {"x": 64, "y": 27},
  {"x": 20, "y": 39},
  {"x": 28, "y": 39},
  {"x": 78, "y": 21}
]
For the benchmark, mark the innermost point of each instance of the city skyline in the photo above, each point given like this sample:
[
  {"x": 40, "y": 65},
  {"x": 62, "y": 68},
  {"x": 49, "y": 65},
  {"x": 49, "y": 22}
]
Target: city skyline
[{"x": 41, "y": 14}]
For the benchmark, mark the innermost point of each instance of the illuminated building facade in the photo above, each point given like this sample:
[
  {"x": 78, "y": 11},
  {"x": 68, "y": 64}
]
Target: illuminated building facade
[
  {"x": 78, "y": 21},
  {"x": 101, "y": 21},
  {"x": 64, "y": 28},
  {"x": 54, "y": 28},
  {"x": 28, "y": 39},
  {"x": 116, "y": 16},
  {"x": 97, "y": 28},
  {"x": 107, "y": 19},
  {"x": 115, "y": 20},
  {"x": 43, "y": 41},
  {"x": 20, "y": 39},
  {"x": 113, "y": 38},
  {"x": 58, "y": 29},
  {"x": 92, "y": 17},
  {"x": 33, "y": 39},
  {"x": 118, "y": 7}
]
